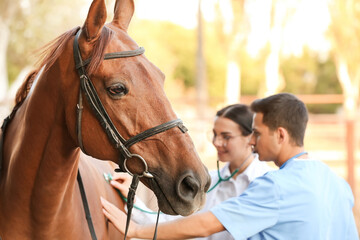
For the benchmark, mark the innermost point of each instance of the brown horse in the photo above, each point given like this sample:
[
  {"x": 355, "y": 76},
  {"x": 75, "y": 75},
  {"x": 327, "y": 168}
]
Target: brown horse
[{"x": 39, "y": 194}]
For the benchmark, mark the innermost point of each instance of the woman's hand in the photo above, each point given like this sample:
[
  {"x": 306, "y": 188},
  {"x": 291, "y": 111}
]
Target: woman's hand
[
  {"x": 121, "y": 181},
  {"x": 117, "y": 217}
]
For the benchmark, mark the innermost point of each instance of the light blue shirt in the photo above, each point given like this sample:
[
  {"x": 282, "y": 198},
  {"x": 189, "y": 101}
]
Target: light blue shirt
[
  {"x": 224, "y": 190},
  {"x": 304, "y": 199}
]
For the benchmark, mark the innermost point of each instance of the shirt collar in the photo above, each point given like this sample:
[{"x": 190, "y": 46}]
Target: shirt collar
[
  {"x": 292, "y": 159},
  {"x": 225, "y": 171}
]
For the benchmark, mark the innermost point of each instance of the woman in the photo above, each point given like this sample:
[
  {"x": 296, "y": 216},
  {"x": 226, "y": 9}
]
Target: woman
[{"x": 230, "y": 136}]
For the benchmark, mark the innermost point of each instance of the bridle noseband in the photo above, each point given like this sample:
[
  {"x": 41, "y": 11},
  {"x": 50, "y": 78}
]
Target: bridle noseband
[{"x": 115, "y": 137}]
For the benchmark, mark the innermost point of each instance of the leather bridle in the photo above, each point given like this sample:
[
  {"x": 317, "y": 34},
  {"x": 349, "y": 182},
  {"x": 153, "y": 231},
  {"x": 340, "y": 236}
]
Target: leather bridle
[
  {"x": 94, "y": 101},
  {"x": 122, "y": 145}
]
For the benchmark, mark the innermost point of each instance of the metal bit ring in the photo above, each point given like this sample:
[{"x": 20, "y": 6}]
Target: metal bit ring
[{"x": 145, "y": 172}]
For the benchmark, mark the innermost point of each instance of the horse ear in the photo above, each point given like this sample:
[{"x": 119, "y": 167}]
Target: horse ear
[
  {"x": 95, "y": 20},
  {"x": 123, "y": 12}
]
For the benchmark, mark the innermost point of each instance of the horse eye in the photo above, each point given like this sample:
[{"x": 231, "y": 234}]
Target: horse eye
[{"x": 117, "y": 90}]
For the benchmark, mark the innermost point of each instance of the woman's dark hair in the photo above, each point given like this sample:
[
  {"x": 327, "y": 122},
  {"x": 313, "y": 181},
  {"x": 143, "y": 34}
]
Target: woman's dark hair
[
  {"x": 240, "y": 114},
  {"x": 284, "y": 110}
]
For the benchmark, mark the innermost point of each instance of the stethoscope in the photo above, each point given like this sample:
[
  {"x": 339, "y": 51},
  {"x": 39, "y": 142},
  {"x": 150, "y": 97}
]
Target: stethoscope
[
  {"x": 221, "y": 179},
  {"x": 108, "y": 178}
]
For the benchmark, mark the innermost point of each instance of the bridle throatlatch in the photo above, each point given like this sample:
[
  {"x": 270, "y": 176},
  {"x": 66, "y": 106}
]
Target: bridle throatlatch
[{"x": 122, "y": 145}]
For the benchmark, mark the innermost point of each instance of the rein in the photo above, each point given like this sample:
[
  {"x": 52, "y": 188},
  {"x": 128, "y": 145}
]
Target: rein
[{"x": 122, "y": 145}]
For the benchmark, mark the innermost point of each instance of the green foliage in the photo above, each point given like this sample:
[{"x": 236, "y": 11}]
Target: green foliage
[
  {"x": 173, "y": 49},
  {"x": 323, "y": 108},
  {"x": 169, "y": 46},
  {"x": 328, "y": 82},
  {"x": 215, "y": 63},
  {"x": 299, "y": 73},
  {"x": 252, "y": 73},
  {"x": 34, "y": 25},
  {"x": 307, "y": 74},
  {"x": 13, "y": 71},
  {"x": 344, "y": 32}
]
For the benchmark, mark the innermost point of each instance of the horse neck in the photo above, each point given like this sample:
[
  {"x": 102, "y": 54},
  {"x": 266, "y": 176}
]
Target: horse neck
[{"x": 40, "y": 158}]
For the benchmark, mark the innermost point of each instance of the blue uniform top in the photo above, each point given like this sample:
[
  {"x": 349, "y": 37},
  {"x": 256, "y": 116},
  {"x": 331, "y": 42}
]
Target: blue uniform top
[{"x": 304, "y": 199}]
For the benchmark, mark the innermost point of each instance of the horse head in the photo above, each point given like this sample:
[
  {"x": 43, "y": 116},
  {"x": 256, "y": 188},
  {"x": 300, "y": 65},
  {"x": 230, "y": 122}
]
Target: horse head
[{"x": 130, "y": 90}]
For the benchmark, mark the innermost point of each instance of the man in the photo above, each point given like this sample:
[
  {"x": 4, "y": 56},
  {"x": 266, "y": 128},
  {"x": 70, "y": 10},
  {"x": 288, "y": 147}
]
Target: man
[{"x": 304, "y": 199}]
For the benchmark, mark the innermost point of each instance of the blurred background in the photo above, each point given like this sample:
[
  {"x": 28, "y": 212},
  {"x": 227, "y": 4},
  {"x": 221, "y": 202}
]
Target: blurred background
[{"x": 218, "y": 52}]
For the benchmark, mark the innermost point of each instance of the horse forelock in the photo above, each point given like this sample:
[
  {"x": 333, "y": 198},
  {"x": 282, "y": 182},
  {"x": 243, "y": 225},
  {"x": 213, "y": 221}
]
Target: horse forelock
[
  {"x": 51, "y": 51},
  {"x": 98, "y": 52}
]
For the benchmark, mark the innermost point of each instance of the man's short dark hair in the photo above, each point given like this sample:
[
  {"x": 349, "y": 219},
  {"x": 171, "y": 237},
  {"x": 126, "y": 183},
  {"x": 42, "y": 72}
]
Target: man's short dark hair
[{"x": 284, "y": 110}]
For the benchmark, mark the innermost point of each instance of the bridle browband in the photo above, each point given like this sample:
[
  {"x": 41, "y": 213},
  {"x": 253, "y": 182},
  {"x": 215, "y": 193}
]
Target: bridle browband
[{"x": 114, "y": 136}]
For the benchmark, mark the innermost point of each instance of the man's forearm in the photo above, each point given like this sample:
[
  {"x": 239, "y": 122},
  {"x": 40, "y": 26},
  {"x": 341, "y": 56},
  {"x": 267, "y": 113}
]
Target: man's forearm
[{"x": 197, "y": 225}]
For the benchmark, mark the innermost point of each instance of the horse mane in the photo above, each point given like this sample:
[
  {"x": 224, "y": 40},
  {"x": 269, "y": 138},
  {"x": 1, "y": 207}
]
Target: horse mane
[
  {"x": 49, "y": 53},
  {"x": 24, "y": 89}
]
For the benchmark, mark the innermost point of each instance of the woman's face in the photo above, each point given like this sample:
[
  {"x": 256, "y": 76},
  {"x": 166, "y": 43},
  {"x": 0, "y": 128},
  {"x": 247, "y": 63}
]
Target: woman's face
[{"x": 230, "y": 144}]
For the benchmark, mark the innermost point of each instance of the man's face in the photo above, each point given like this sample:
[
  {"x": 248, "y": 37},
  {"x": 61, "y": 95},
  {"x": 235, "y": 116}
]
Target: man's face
[{"x": 264, "y": 140}]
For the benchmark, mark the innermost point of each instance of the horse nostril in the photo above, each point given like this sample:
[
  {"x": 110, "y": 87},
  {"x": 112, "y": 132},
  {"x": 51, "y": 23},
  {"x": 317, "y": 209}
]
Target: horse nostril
[{"x": 188, "y": 188}]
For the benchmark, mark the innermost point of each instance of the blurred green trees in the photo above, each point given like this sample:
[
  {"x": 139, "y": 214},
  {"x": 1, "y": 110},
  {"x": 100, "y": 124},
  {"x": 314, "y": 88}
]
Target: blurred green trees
[
  {"x": 173, "y": 49},
  {"x": 34, "y": 23}
]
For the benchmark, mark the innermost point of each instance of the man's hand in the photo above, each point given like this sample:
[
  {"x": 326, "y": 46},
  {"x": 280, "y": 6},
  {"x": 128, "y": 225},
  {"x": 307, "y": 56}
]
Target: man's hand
[{"x": 197, "y": 225}]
